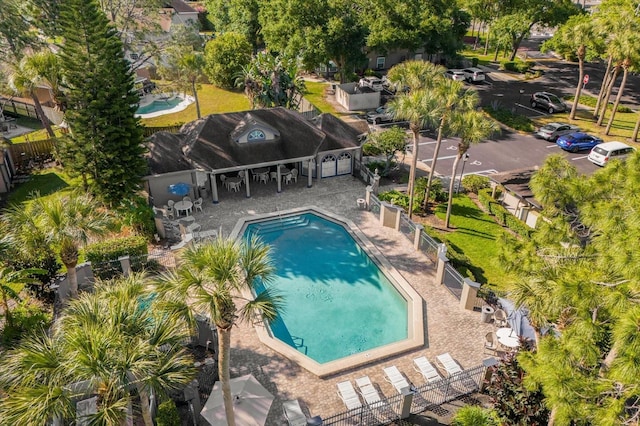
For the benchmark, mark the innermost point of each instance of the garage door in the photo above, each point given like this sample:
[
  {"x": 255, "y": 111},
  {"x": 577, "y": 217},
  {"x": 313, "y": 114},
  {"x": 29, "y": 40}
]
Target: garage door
[
  {"x": 329, "y": 166},
  {"x": 344, "y": 164}
]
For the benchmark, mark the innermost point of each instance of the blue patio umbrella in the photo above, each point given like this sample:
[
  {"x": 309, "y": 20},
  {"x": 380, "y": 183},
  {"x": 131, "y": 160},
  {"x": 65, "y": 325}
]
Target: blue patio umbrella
[
  {"x": 180, "y": 188},
  {"x": 515, "y": 319}
]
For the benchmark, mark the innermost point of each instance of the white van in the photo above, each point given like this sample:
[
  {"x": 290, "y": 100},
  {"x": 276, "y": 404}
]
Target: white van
[
  {"x": 373, "y": 83},
  {"x": 473, "y": 75},
  {"x": 603, "y": 153}
]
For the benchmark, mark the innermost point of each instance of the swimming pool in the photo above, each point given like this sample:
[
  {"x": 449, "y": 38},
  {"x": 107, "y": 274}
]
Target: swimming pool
[
  {"x": 343, "y": 305},
  {"x": 159, "y": 105}
]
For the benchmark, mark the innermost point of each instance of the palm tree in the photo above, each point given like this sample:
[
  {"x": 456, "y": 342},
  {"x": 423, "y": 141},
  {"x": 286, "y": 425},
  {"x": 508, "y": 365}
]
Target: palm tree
[
  {"x": 10, "y": 283},
  {"x": 577, "y": 36},
  {"x": 63, "y": 223},
  {"x": 415, "y": 75},
  {"x": 453, "y": 98},
  {"x": 212, "y": 278},
  {"x": 471, "y": 127},
  {"x": 419, "y": 108},
  {"x": 191, "y": 66},
  {"x": 45, "y": 67},
  {"x": 24, "y": 81},
  {"x": 627, "y": 45},
  {"x": 107, "y": 343}
]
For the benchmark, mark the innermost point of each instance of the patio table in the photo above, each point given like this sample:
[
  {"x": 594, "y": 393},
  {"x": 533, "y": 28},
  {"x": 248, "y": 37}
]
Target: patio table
[
  {"x": 233, "y": 183},
  {"x": 183, "y": 206},
  {"x": 507, "y": 337}
]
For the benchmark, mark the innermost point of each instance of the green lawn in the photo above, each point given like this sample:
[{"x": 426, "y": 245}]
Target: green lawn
[
  {"x": 315, "y": 95},
  {"x": 46, "y": 182},
  {"x": 475, "y": 234},
  {"x": 213, "y": 100}
]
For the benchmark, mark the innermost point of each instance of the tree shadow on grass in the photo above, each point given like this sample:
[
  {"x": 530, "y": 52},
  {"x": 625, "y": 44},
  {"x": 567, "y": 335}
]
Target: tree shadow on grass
[{"x": 44, "y": 183}]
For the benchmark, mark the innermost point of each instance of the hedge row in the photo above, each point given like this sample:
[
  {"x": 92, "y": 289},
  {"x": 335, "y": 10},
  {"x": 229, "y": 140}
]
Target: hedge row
[
  {"x": 502, "y": 215},
  {"x": 516, "y": 66},
  {"x": 104, "y": 255}
]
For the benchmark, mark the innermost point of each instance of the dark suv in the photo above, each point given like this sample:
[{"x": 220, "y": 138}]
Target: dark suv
[{"x": 548, "y": 101}]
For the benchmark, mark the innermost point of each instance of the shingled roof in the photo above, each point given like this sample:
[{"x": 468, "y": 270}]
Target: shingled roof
[{"x": 211, "y": 144}]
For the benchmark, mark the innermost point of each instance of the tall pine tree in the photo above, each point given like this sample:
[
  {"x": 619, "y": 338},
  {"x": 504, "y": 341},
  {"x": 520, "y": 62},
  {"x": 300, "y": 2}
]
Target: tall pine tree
[{"x": 104, "y": 144}]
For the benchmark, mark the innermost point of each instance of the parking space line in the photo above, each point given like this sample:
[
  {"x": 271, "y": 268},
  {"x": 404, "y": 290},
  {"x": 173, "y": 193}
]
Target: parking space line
[
  {"x": 538, "y": 112},
  {"x": 552, "y": 146},
  {"x": 483, "y": 172},
  {"x": 579, "y": 158},
  {"x": 448, "y": 157}
]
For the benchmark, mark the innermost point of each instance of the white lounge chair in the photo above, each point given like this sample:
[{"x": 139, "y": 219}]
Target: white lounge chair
[
  {"x": 428, "y": 371},
  {"x": 448, "y": 364},
  {"x": 395, "y": 377},
  {"x": 368, "y": 391},
  {"x": 293, "y": 413},
  {"x": 348, "y": 394}
]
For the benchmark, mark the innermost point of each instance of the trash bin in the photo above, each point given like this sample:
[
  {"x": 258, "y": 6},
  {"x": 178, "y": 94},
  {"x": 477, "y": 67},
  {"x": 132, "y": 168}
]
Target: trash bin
[
  {"x": 314, "y": 421},
  {"x": 487, "y": 313}
]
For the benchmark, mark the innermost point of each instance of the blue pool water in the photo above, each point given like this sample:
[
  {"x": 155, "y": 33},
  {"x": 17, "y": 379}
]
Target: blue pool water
[
  {"x": 337, "y": 301},
  {"x": 159, "y": 105}
]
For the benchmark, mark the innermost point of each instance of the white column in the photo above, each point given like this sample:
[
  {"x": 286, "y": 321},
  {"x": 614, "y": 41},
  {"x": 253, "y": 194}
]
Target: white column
[
  {"x": 246, "y": 182},
  {"x": 310, "y": 174},
  {"x": 279, "y": 178}
]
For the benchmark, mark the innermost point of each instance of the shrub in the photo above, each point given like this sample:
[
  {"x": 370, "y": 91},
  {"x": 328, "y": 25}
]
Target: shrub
[
  {"x": 515, "y": 121},
  {"x": 137, "y": 215},
  {"x": 104, "y": 255},
  {"x": 437, "y": 192},
  {"x": 27, "y": 319},
  {"x": 502, "y": 215},
  {"x": 168, "y": 414},
  {"x": 516, "y": 66},
  {"x": 471, "y": 415},
  {"x": 474, "y": 183},
  {"x": 373, "y": 165},
  {"x": 474, "y": 61}
]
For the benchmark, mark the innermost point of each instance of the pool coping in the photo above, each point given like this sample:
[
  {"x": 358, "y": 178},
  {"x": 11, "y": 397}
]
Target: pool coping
[
  {"x": 415, "y": 319},
  {"x": 188, "y": 100}
]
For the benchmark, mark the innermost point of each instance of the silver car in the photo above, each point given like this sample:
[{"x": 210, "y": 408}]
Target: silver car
[{"x": 552, "y": 131}]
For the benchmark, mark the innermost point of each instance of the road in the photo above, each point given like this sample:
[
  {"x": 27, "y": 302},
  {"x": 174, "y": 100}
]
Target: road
[{"x": 509, "y": 151}]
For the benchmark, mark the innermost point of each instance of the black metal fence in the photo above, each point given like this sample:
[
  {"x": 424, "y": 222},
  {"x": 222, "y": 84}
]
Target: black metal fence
[
  {"x": 453, "y": 281},
  {"x": 428, "y": 396},
  {"x": 153, "y": 263}
]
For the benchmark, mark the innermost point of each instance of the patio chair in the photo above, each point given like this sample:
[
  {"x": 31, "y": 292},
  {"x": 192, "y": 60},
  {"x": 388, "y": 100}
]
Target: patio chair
[
  {"x": 197, "y": 205},
  {"x": 395, "y": 377},
  {"x": 293, "y": 413},
  {"x": 287, "y": 178},
  {"x": 348, "y": 395},
  {"x": 241, "y": 174},
  {"x": 186, "y": 198},
  {"x": 170, "y": 212},
  {"x": 491, "y": 343},
  {"x": 274, "y": 176},
  {"x": 264, "y": 177},
  {"x": 448, "y": 364},
  {"x": 368, "y": 391},
  {"x": 294, "y": 174},
  {"x": 428, "y": 371},
  {"x": 170, "y": 203},
  {"x": 500, "y": 318}
]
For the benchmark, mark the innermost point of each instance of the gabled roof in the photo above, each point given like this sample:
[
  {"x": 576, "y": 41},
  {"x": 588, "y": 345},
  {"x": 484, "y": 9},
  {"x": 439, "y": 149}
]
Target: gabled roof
[
  {"x": 339, "y": 135},
  {"x": 181, "y": 7},
  {"x": 209, "y": 143},
  {"x": 517, "y": 182}
]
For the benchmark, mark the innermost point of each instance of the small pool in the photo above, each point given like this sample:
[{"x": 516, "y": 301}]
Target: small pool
[
  {"x": 339, "y": 302},
  {"x": 159, "y": 105}
]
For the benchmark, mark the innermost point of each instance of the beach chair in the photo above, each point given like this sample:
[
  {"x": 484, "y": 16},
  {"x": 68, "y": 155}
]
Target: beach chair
[
  {"x": 395, "y": 377},
  {"x": 293, "y": 413},
  {"x": 428, "y": 371},
  {"x": 448, "y": 364},
  {"x": 368, "y": 391},
  {"x": 348, "y": 395},
  {"x": 500, "y": 318}
]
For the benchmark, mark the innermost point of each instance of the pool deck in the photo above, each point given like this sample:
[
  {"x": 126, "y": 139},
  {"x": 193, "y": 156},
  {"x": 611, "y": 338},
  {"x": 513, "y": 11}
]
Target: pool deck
[{"x": 447, "y": 327}]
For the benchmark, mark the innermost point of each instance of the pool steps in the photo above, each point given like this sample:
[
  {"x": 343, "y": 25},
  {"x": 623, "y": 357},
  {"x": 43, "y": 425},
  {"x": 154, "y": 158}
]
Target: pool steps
[{"x": 288, "y": 222}]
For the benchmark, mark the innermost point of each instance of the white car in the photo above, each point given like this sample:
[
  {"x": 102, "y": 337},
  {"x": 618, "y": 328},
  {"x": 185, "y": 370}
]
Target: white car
[
  {"x": 473, "y": 75},
  {"x": 379, "y": 115},
  {"x": 455, "y": 75},
  {"x": 603, "y": 153}
]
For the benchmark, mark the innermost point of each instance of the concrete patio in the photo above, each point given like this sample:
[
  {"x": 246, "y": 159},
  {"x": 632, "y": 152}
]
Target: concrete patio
[{"x": 448, "y": 328}]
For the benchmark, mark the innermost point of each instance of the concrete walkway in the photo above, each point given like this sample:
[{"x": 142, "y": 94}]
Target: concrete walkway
[{"x": 448, "y": 328}]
